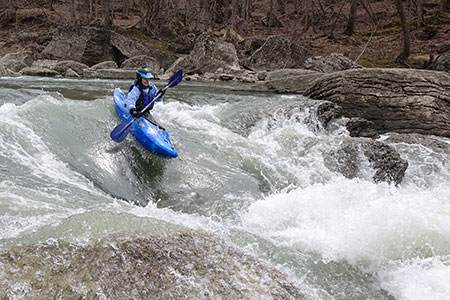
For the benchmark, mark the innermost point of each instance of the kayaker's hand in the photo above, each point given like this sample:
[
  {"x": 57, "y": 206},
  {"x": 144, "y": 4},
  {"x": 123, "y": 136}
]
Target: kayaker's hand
[
  {"x": 161, "y": 92},
  {"x": 135, "y": 113}
]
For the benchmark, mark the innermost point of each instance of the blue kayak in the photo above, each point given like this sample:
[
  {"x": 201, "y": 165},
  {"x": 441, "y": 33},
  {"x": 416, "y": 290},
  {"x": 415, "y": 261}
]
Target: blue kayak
[{"x": 147, "y": 134}]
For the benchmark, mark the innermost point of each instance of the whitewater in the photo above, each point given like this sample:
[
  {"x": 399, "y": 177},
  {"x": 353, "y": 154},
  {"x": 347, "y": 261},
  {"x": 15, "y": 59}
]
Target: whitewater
[{"x": 255, "y": 178}]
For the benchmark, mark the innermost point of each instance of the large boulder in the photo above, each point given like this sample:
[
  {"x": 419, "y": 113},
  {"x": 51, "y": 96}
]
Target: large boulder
[
  {"x": 85, "y": 45},
  {"x": 285, "y": 81},
  {"x": 442, "y": 63},
  {"x": 136, "y": 62},
  {"x": 355, "y": 155},
  {"x": 173, "y": 265},
  {"x": 334, "y": 62},
  {"x": 278, "y": 52},
  {"x": 396, "y": 100},
  {"x": 126, "y": 48},
  {"x": 209, "y": 54},
  {"x": 17, "y": 61}
]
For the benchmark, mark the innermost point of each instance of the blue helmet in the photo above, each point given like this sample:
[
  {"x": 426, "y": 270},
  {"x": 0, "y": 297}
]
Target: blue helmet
[{"x": 143, "y": 73}]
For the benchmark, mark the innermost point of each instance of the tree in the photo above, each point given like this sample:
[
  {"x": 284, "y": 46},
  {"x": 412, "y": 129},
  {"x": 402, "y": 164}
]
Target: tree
[
  {"x": 403, "y": 57},
  {"x": 350, "y": 29},
  {"x": 107, "y": 11}
]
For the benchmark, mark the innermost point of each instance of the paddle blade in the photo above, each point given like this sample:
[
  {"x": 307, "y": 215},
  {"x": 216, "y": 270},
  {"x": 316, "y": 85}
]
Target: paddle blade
[
  {"x": 176, "y": 78},
  {"x": 120, "y": 132}
]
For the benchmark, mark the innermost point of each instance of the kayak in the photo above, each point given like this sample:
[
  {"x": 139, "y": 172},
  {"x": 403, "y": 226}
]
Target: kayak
[{"x": 150, "y": 136}]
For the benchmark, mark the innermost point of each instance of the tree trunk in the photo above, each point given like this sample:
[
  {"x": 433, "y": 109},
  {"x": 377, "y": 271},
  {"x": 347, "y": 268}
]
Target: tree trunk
[
  {"x": 234, "y": 8},
  {"x": 107, "y": 11},
  {"x": 73, "y": 12},
  {"x": 403, "y": 57},
  {"x": 420, "y": 19},
  {"x": 350, "y": 29}
]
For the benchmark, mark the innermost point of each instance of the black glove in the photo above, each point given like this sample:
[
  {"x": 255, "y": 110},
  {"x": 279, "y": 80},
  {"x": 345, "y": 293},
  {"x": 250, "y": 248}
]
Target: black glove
[
  {"x": 161, "y": 93},
  {"x": 135, "y": 113}
]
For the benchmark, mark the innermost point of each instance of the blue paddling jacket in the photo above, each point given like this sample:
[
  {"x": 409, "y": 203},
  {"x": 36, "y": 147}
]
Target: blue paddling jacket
[{"x": 140, "y": 96}]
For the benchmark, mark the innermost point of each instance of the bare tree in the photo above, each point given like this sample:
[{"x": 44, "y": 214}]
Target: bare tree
[
  {"x": 107, "y": 13},
  {"x": 350, "y": 29},
  {"x": 73, "y": 12},
  {"x": 419, "y": 7},
  {"x": 403, "y": 57}
]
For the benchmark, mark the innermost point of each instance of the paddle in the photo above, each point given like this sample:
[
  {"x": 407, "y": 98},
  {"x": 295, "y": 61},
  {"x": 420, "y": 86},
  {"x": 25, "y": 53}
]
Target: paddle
[{"x": 121, "y": 131}]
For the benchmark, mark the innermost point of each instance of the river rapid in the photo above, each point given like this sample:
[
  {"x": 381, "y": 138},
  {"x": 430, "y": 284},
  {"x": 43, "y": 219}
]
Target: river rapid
[{"x": 244, "y": 173}]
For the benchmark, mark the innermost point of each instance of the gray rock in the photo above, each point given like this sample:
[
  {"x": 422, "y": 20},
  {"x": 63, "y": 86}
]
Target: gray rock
[
  {"x": 396, "y": 100},
  {"x": 427, "y": 141},
  {"x": 39, "y": 71},
  {"x": 71, "y": 73},
  {"x": 17, "y": 61},
  {"x": 130, "y": 48},
  {"x": 208, "y": 55},
  {"x": 334, "y": 62},
  {"x": 109, "y": 74},
  {"x": 278, "y": 53},
  {"x": 442, "y": 63},
  {"x": 172, "y": 265},
  {"x": 105, "y": 65},
  {"x": 136, "y": 62},
  {"x": 63, "y": 66},
  {"x": 355, "y": 155},
  {"x": 285, "y": 81},
  {"x": 360, "y": 127}
]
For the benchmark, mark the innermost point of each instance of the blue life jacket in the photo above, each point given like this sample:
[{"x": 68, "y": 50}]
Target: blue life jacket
[{"x": 144, "y": 98}]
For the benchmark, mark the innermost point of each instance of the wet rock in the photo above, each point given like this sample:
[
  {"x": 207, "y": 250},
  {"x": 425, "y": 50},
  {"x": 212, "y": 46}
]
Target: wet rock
[
  {"x": 360, "y": 127},
  {"x": 334, "y": 62},
  {"x": 172, "y": 265},
  {"x": 396, "y": 100},
  {"x": 427, "y": 141},
  {"x": 368, "y": 159},
  {"x": 278, "y": 53},
  {"x": 71, "y": 73},
  {"x": 316, "y": 114},
  {"x": 442, "y": 62}
]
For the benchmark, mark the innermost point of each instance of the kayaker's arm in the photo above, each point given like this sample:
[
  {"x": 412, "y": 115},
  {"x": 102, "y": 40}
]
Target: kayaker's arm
[{"x": 132, "y": 97}]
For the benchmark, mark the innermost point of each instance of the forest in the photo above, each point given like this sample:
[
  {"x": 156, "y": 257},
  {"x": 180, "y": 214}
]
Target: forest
[{"x": 374, "y": 33}]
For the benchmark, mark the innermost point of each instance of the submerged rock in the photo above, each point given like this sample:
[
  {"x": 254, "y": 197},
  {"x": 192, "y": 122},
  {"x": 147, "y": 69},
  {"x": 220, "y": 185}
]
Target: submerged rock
[
  {"x": 176, "y": 265},
  {"x": 356, "y": 156}
]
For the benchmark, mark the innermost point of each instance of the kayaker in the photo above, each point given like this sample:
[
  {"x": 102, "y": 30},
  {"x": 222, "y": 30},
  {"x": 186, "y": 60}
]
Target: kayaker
[{"x": 141, "y": 92}]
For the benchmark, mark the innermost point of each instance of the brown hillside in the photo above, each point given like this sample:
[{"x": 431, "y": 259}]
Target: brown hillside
[{"x": 317, "y": 24}]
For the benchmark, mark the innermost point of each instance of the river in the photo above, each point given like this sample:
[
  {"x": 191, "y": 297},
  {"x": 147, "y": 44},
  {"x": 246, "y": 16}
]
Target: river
[{"x": 256, "y": 178}]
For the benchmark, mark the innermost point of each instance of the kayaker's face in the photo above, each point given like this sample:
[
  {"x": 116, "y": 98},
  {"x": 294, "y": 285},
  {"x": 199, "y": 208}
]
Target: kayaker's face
[{"x": 145, "y": 81}]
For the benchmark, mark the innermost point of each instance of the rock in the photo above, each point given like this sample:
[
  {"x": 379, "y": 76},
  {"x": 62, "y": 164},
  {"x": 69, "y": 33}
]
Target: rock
[
  {"x": 335, "y": 62},
  {"x": 39, "y": 71},
  {"x": 63, "y": 66},
  {"x": 316, "y": 114},
  {"x": 360, "y": 127},
  {"x": 168, "y": 265},
  {"x": 136, "y": 62},
  {"x": 208, "y": 55},
  {"x": 396, "y": 100},
  {"x": 356, "y": 154},
  {"x": 86, "y": 45},
  {"x": 278, "y": 53},
  {"x": 427, "y": 141},
  {"x": 129, "y": 48},
  {"x": 105, "y": 65},
  {"x": 110, "y": 74},
  {"x": 442, "y": 63},
  {"x": 17, "y": 61},
  {"x": 71, "y": 73},
  {"x": 285, "y": 81}
]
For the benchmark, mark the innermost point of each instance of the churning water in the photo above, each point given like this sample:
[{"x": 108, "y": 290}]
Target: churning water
[{"x": 245, "y": 173}]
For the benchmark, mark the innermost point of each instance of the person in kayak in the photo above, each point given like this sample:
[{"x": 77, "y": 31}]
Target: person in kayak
[{"x": 142, "y": 92}]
